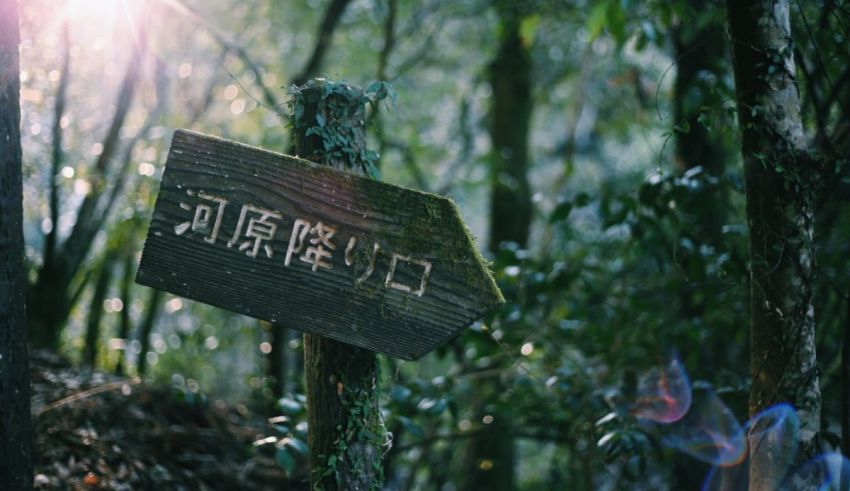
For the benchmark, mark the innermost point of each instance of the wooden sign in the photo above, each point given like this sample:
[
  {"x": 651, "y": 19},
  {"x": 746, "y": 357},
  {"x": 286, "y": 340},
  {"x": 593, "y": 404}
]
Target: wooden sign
[{"x": 283, "y": 239}]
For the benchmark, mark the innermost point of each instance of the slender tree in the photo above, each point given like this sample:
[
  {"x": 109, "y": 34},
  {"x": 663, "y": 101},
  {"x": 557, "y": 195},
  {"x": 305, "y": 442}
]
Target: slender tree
[
  {"x": 57, "y": 285},
  {"x": 101, "y": 289},
  {"x": 15, "y": 424},
  {"x": 491, "y": 456},
  {"x": 781, "y": 180},
  {"x": 510, "y": 119},
  {"x": 699, "y": 45}
]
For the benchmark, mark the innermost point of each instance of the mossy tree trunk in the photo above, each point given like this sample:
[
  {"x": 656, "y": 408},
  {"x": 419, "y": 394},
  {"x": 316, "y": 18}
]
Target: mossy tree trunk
[
  {"x": 346, "y": 433},
  {"x": 15, "y": 423},
  {"x": 490, "y": 459},
  {"x": 781, "y": 180}
]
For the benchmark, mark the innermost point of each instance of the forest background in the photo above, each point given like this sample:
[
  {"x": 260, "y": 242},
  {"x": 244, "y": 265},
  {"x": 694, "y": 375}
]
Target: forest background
[{"x": 593, "y": 147}]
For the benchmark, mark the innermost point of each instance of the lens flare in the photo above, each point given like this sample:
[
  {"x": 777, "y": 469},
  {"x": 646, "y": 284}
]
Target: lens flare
[
  {"x": 773, "y": 437},
  {"x": 728, "y": 478},
  {"x": 708, "y": 432},
  {"x": 665, "y": 394},
  {"x": 832, "y": 470}
]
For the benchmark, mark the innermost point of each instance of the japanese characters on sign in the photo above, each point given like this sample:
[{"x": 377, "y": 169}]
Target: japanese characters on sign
[
  {"x": 309, "y": 247},
  {"x": 311, "y": 242}
]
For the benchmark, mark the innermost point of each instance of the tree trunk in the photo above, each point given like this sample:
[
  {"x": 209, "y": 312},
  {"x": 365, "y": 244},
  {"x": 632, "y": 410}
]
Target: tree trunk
[
  {"x": 701, "y": 66},
  {"x": 15, "y": 422},
  {"x": 101, "y": 289},
  {"x": 700, "y": 51},
  {"x": 781, "y": 180},
  {"x": 124, "y": 324},
  {"x": 346, "y": 432},
  {"x": 145, "y": 330},
  {"x": 510, "y": 78},
  {"x": 490, "y": 458},
  {"x": 51, "y": 296}
]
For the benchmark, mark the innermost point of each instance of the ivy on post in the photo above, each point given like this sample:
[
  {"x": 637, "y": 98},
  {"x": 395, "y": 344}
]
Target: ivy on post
[{"x": 346, "y": 433}]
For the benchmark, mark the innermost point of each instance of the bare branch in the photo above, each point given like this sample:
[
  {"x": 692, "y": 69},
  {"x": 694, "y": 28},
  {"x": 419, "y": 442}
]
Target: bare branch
[
  {"x": 383, "y": 59},
  {"x": 206, "y": 101},
  {"x": 230, "y": 45},
  {"x": 410, "y": 162},
  {"x": 123, "y": 173},
  {"x": 389, "y": 38},
  {"x": 326, "y": 29}
]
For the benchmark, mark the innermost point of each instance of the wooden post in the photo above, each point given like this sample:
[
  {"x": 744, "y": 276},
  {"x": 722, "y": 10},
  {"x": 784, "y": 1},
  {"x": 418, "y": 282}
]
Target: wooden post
[
  {"x": 318, "y": 246},
  {"x": 346, "y": 432}
]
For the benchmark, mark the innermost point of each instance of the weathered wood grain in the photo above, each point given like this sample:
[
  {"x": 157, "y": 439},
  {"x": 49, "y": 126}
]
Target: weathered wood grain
[{"x": 380, "y": 313}]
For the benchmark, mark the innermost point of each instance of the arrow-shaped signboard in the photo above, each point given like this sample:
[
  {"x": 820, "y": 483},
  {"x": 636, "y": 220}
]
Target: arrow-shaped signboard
[{"x": 285, "y": 240}]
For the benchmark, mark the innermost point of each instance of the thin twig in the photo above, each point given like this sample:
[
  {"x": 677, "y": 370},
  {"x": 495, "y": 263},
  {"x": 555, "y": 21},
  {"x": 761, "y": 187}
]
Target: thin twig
[
  {"x": 59, "y": 113},
  {"x": 230, "y": 45},
  {"x": 118, "y": 384}
]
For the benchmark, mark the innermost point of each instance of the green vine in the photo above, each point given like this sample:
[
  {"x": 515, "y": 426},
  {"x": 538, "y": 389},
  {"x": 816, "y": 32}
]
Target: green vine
[
  {"x": 364, "y": 432},
  {"x": 338, "y": 119}
]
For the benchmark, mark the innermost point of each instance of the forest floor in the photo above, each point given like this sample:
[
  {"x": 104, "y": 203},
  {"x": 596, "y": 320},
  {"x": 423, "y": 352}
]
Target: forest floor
[{"x": 95, "y": 430}]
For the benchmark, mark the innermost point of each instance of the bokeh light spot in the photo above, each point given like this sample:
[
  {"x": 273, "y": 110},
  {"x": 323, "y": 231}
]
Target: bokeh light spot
[
  {"x": 211, "y": 342},
  {"x": 146, "y": 169},
  {"x": 185, "y": 70},
  {"x": 230, "y": 92},
  {"x": 173, "y": 305},
  {"x": 237, "y": 107}
]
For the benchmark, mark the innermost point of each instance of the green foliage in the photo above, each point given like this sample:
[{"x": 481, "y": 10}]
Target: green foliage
[
  {"x": 340, "y": 139},
  {"x": 622, "y": 266}
]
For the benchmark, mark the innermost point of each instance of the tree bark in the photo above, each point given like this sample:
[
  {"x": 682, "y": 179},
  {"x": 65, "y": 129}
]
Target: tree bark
[
  {"x": 15, "y": 422},
  {"x": 781, "y": 179},
  {"x": 346, "y": 432}
]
